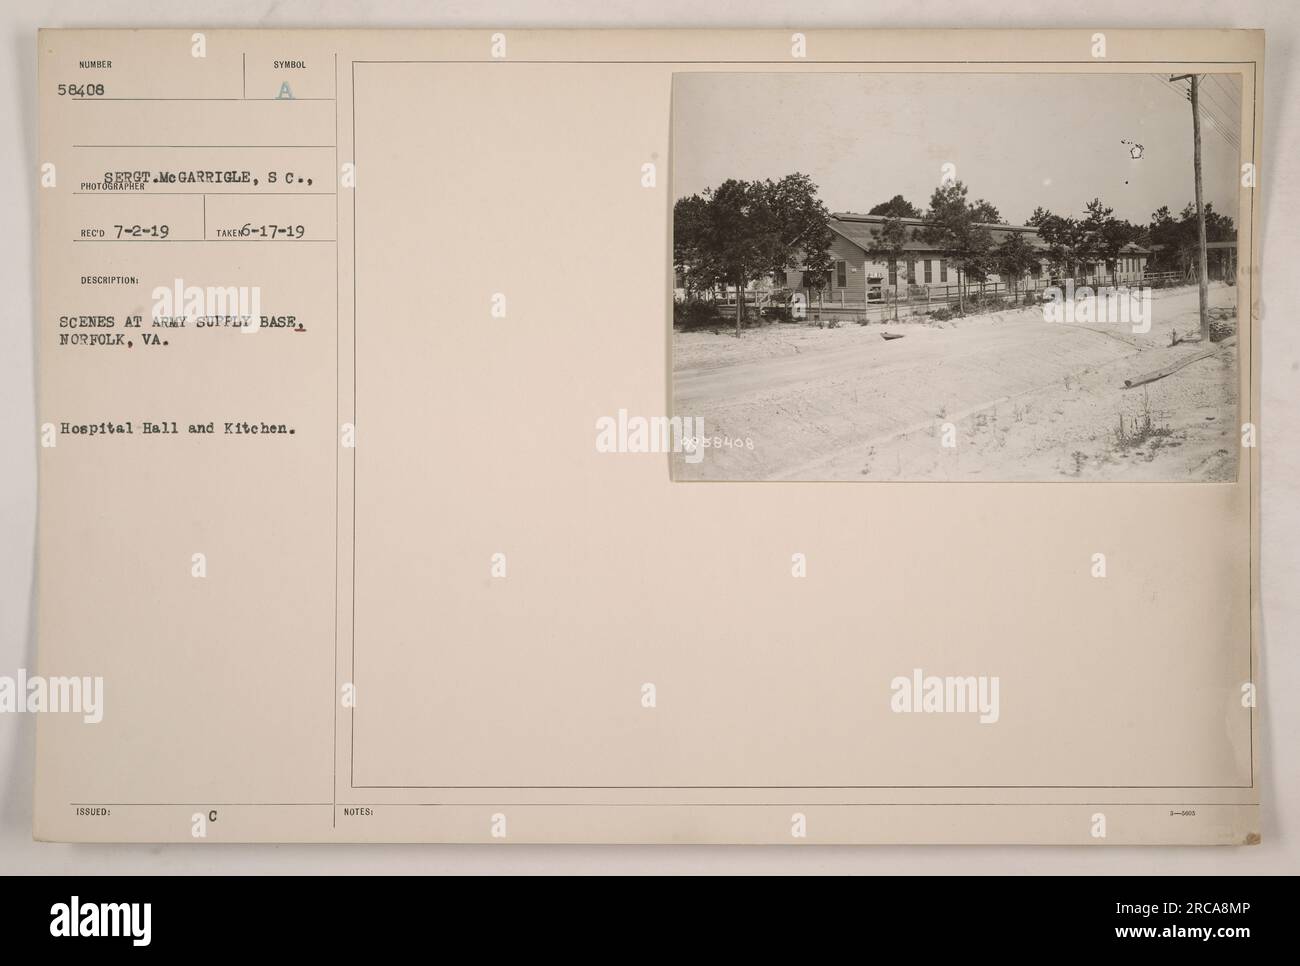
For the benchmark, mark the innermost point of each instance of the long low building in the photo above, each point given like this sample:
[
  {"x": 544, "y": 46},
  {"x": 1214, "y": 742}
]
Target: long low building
[{"x": 861, "y": 271}]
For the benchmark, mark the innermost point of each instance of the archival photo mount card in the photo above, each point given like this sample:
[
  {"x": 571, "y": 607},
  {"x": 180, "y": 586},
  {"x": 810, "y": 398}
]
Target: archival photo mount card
[{"x": 649, "y": 436}]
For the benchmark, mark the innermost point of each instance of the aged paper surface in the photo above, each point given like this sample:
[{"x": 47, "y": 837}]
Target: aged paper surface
[{"x": 364, "y": 571}]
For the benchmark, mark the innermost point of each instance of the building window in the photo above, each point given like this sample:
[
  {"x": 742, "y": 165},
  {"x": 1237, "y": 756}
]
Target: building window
[
  {"x": 893, "y": 275},
  {"x": 928, "y": 270},
  {"x": 943, "y": 269},
  {"x": 842, "y": 274},
  {"x": 911, "y": 272}
]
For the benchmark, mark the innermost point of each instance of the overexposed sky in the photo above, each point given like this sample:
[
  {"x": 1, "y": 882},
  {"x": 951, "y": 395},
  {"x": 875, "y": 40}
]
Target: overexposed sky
[{"x": 1017, "y": 140}]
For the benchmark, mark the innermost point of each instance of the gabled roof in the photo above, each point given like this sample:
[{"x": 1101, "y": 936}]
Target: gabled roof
[{"x": 862, "y": 231}]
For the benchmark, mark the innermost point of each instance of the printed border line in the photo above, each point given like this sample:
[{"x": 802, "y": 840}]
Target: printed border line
[
  {"x": 579, "y": 63},
  {"x": 1251, "y": 484},
  {"x": 572, "y": 804},
  {"x": 338, "y": 297},
  {"x": 521, "y": 788}
]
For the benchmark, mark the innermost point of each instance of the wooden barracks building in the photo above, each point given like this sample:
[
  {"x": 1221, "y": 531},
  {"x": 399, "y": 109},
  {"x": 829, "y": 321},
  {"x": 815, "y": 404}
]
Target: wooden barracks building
[{"x": 861, "y": 273}]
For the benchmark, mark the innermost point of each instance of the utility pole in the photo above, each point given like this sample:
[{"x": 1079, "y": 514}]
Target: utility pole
[{"x": 1203, "y": 269}]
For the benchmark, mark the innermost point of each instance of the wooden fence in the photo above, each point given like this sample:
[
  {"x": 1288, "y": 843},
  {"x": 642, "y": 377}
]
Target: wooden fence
[{"x": 924, "y": 299}]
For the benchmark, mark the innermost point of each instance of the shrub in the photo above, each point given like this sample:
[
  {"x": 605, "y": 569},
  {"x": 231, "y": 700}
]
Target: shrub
[
  {"x": 987, "y": 300},
  {"x": 1140, "y": 428},
  {"x": 695, "y": 314},
  {"x": 1223, "y": 323}
]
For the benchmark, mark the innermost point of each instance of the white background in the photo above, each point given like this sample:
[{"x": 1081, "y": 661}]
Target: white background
[{"x": 1280, "y": 694}]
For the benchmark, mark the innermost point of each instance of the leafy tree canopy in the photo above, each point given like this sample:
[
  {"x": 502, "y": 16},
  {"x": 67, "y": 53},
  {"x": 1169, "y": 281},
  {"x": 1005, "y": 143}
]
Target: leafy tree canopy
[
  {"x": 897, "y": 206},
  {"x": 743, "y": 230},
  {"x": 951, "y": 224},
  {"x": 984, "y": 211}
]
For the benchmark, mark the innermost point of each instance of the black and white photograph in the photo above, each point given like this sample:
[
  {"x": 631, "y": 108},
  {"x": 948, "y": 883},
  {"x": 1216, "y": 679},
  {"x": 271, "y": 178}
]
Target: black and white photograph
[
  {"x": 580, "y": 439},
  {"x": 957, "y": 276}
]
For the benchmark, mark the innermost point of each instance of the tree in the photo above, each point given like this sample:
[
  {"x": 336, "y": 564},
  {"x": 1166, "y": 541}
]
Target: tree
[
  {"x": 1013, "y": 258},
  {"x": 690, "y": 218},
  {"x": 802, "y": 228},
  {"x": 898, "y": 207},
  {"x": 1176, "y": 240},
  {"x": 1071, "y": 243},
  {"x": 741, "y": 230},
  {"x": 984, "y": 211},
  {"x": 1162, "y": 236},
  {"x": 892, "y": 237},
  {"x": 950, "y": 224},
  {"x": 735, "y": 236},
  {"x": 1039, "y": 216},
  {"x": 816, "y": 273},
  {"x": 1105, "y": 236},
  {"x": 1218, "y": 227},
  {"x": 1066, "y": 244}
]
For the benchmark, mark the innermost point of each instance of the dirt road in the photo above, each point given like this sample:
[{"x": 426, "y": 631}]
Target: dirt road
[{"x": 1025, "y": 399}]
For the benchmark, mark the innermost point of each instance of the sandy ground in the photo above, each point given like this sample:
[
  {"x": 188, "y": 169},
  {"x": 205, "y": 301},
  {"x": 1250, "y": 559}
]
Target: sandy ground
[{"x": 1028, "y": 399}]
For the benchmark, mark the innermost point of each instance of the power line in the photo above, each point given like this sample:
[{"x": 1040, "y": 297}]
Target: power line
[
  {"x": 1231, "y": 91},
  {"x": 1229, "y": 87},
  {"x": 1220, "y": 114},
  {"x": 1219, "y": 125},
  {"x": 1221, "y": 128},
  {"x": 1180, "y": 93},
  {"x": 1209, "y": 89},
  {"x": 1218, "y": 111},
  {"x": 1229, "y": 138}
]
